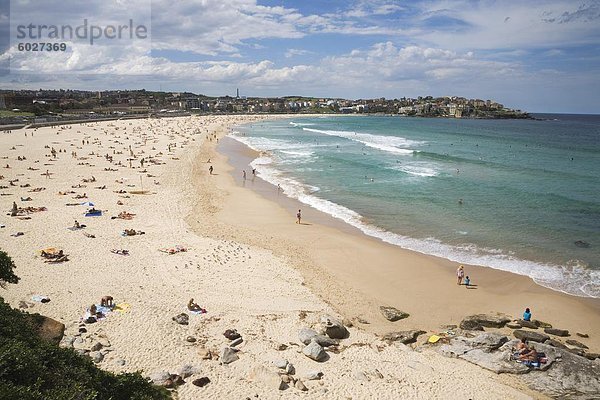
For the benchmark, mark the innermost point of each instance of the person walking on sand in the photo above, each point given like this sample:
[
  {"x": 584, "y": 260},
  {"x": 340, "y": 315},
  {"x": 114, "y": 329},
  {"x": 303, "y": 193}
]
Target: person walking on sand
[
  {"x": 210, "y": 169},
  {"x": 299, "y": 216},
  {"x": 244, "y": 174},
  {"x": 460, "y": 274}
]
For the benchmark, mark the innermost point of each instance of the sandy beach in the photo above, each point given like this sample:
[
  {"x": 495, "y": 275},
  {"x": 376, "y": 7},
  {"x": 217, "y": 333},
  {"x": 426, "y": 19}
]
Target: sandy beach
[{"x": 245, "y": 261}]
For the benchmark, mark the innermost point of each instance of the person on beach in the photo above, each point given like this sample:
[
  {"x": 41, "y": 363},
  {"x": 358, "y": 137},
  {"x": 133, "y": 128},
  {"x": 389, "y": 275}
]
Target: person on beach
[
  {"x": 467, "y": 281},
  {"x": 192, "y": 306},
  {"x": 244, "y": 174},
  {"x": 106, "y": 301},
  {"x": 460, "y": 274},
  {"x": 210, "y": 169},
  {"x": 527, "y": 315},
  {"x": 299, "y": 216}
]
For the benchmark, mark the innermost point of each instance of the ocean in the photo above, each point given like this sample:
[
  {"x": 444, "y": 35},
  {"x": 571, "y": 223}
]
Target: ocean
[{"x": 515, "y": 195}]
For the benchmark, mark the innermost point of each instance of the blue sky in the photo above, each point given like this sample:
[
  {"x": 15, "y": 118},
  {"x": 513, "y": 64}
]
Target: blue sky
[{"x": 541, "y": 56}]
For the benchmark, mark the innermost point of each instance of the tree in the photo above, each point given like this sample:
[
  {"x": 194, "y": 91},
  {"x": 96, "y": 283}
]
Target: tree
[{"x": 6, "y": 270}]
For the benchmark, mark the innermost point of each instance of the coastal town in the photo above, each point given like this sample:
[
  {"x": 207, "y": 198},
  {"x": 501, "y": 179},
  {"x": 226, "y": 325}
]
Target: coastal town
[{"x": 42, "y": 106}]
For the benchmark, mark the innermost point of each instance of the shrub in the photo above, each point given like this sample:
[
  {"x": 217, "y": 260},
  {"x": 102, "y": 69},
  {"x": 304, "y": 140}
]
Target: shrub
[{"x": 6, "y": 269}]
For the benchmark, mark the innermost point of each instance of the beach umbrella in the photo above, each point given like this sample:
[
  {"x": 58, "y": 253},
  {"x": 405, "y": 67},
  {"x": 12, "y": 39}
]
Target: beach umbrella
[{"x": 88, "y": 204}]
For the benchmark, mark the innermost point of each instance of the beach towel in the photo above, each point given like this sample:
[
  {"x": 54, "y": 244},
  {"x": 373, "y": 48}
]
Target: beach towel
[
  {"x": 433, "y": 339},
  {"x": 199, "y": 312},
  {"x": 40, "y": 298},
  {"x": 122, "y": 308},
  {"x": 95, "y": 213}
]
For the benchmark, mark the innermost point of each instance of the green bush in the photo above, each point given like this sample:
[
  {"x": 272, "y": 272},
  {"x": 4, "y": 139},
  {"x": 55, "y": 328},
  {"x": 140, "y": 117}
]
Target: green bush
[
  {"x": 33, "y": 369},
  {"x": 6, "y": 269}
]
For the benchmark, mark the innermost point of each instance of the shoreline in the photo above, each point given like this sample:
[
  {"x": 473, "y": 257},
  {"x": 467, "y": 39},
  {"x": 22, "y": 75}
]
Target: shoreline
[
  {"x": 239, "y": 265},
  {"x": 378, "y": 284}
]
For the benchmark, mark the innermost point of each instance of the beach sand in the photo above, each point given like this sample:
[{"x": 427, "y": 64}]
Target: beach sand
[{"x": 246, "y": 262}]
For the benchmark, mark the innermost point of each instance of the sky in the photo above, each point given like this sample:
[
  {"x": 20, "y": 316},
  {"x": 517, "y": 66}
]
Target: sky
[{"x": 537, "y": 56}]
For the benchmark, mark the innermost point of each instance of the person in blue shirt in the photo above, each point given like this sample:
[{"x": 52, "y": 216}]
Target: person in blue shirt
[
  {"x": 467, "y": 282},
  {"x": 527, "y": 315}
]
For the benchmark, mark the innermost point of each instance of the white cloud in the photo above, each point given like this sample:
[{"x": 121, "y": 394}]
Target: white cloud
[{"x": 296, "y": 52}]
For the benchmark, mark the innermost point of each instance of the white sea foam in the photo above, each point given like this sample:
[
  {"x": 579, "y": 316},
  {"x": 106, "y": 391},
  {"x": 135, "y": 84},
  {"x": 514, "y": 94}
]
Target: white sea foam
[
  {"x": 416, "y": 170},
  {"x": 300, "y": 123},
  {"x": 391, "y": 144},
  {"x": 574, "y": 278}
]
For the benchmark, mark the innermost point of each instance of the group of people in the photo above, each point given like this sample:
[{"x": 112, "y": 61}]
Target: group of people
[{"x": 460, "y": 274}]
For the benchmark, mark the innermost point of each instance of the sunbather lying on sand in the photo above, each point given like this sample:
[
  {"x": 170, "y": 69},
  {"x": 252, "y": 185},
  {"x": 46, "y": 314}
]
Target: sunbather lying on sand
[
  {"x": 122, "y": 252},
  {"x": 133, "y": 232}
]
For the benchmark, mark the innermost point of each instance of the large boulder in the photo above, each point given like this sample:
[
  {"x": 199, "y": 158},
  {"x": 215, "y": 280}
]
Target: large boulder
[
  {"x": 556, "y": 332},
  {"x": 315, "y": 352},
  {"x": 574, "y": 377},
  {"x": 488, "y": 350},
  {"x": 47, "y": 329},
  {"x": 479, "y": 321},
  {"x": 325, "y": 341},
  {"x": 576, "y": 343},
  {"x": 527, "y": 324},
  {"x": 306, "y": 334},
  {"x": 404, "y": 337},
  {"x": 530, "y": 336},
  {"x": 392, "y": 313},
  {"x": 334, "y": 327}
]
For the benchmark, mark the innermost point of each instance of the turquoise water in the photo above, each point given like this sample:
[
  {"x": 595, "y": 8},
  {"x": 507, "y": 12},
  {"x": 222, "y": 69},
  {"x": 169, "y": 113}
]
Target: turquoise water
[{"x": 514, "y": 195}]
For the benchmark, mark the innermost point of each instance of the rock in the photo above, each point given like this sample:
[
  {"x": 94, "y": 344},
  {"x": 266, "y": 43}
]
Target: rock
[
  {"x": 591, "y": 356},
  {"x": 67, "y": 342},
  {"x": 576, "y": 343},
  {"x": 325, "y": 341},
  {"x": 313, "y": 375},
  {"x": 285, "y": 378},
  {"x": 79, "y": 343},
  {"x": 404, "y": 337},
  {"x": 190, "y": 339},
  {"x": 300, "y": 386},
  {"x": 182, "y": 319},
  {"x": 541, "y": 324},
  {"x": 478, "y": 321},
  {"x": 392, "y": 313},
  {"x": 347, "y": 323},
  {"x": 204, "y": 354},
  {"x": 228, "y": 355},
  {"x": 527, "y": 324},
  {"x": 530, "y": 336},
  {"x": 280, "y": 363},
  {"x": 280, "y": 346},
  {"x": 177, "y": 380},
  {"x": 201, "y": 382},
  {"x": 96, "y": 346},
  {"x": 82, "y": 352},
  {"x": 96, "y": 356},
  {"x": 82, "y": 330},
  {"x": 315, "y": 352},
  {"x": 582, "y": 243},
  {"x": 188, "y": 370},
  {"x": 574, "y": 377},
  {"x": 290, "y": 369},
  {"x": 555, "y": 343},
  {"x": 514, "y": 325},
  {"x": 306, "y": 334},
  {"x": 46, "y": 328},
  {"x": 334, "y": 328},
  {"x": 120, "y": 362},
  {"x": 576, "y": 350},
  {"x": 557, "y": 332},
  {"x": 236, "y": 342},
  {"x": 583, "y": 335},
  {"x": 160, "y": 378},
  {"x": 260, "y": 373},
  {"x": 362, "y": 321},
  {"x": 231, "y": 334}
]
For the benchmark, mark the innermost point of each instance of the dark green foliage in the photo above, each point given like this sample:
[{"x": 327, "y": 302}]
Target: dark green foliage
[
  {"x": 6, "y": 269},
  {"x": 31, "y": 368}
]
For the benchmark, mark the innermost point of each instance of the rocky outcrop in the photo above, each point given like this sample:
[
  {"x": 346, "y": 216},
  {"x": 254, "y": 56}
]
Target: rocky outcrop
[
  {"x": 393, "y": 314},
  {"x": 557, "y": 332},
  {"x": 48, "y": 329},
  {"x": 404, "y": 337},
  {"x": 479, "y": 321},
  {"x": 306, "y": 334},
  {"x": 576, "y": 343},
  {"x": 530, "y": 336}
]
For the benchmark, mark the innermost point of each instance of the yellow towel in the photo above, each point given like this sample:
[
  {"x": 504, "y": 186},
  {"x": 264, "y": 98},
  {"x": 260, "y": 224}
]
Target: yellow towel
[
  {"x": 122, "y": 307},
  {"x": 434, "y": 339}
]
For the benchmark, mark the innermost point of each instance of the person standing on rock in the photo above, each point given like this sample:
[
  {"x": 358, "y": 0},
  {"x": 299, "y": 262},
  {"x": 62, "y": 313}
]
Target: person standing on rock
[{"x": 460, "y": 274}]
